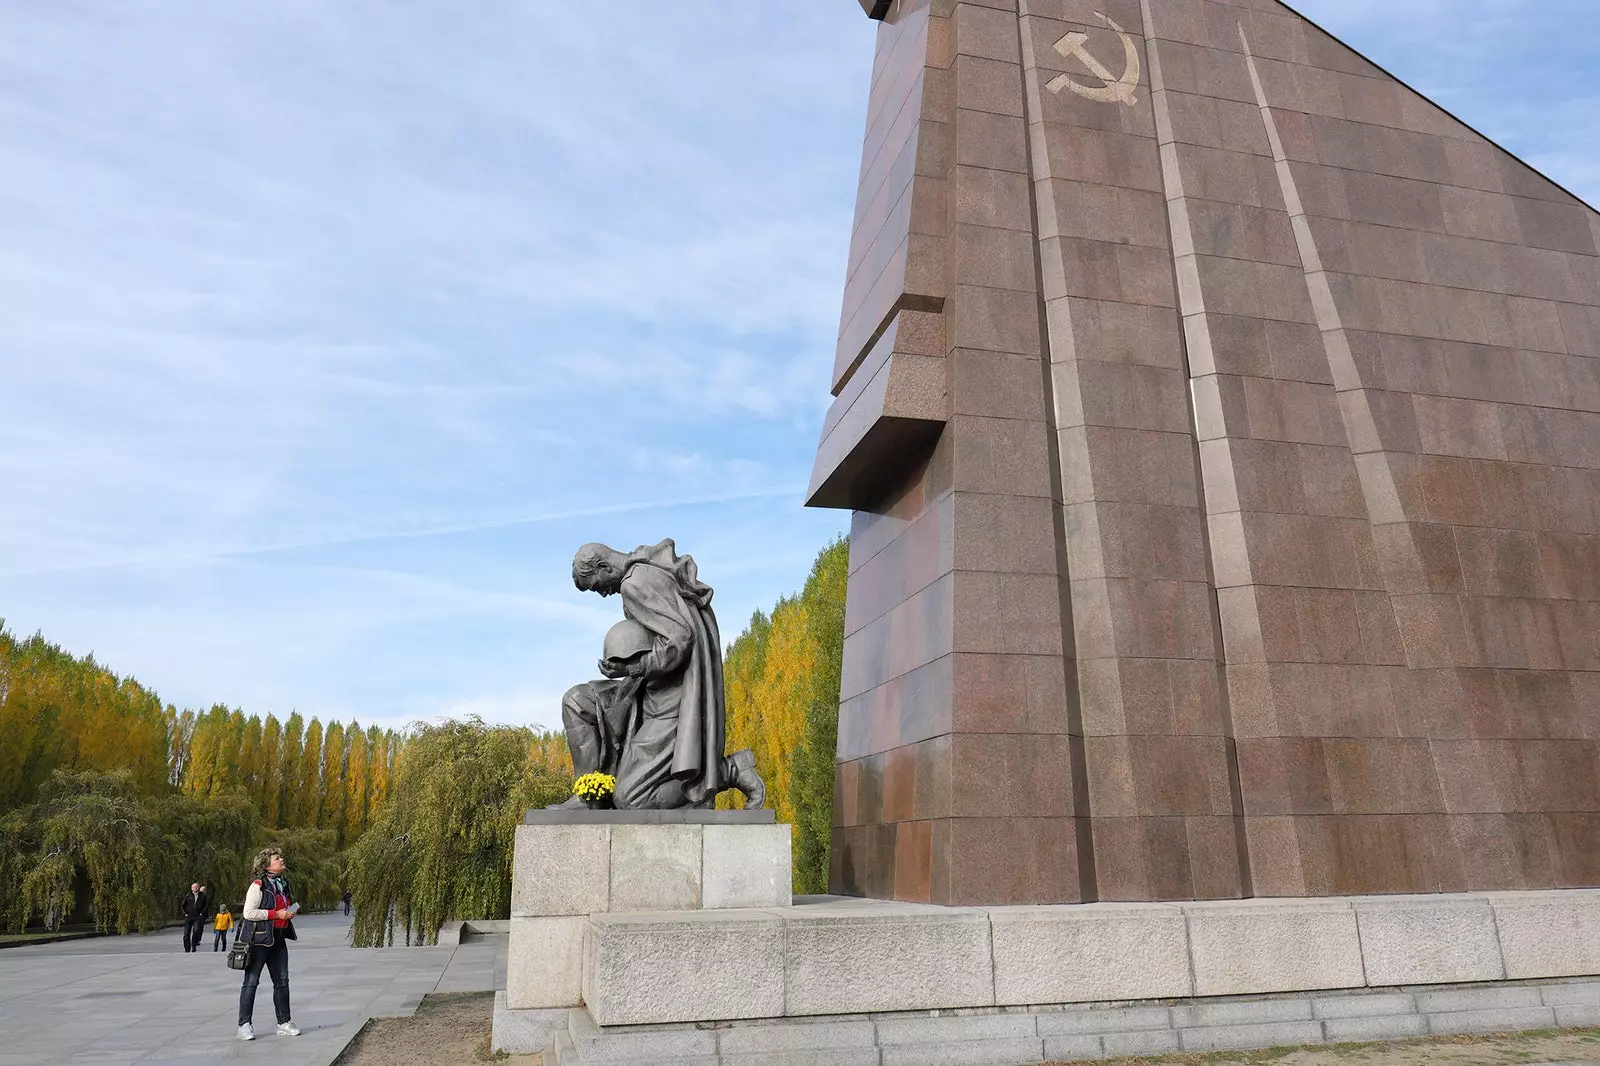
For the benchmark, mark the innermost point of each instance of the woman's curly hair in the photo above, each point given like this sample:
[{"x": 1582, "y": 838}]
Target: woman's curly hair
[{"x": 258, "y": 868}]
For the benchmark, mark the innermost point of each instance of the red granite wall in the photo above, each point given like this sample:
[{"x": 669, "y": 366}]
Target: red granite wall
[{"x": 1253, "y": 545}]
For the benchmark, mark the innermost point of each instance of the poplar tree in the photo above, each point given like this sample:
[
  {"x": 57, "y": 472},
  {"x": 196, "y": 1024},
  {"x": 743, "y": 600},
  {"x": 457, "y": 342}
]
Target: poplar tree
[
  {"x": 308, "y": 790},
  {"x": 230, "y": 735},
  {"x": 250, "y": 757},
  {"x": 267, "y": 785},
  {"x": 355, "y": 781},
  {"x": 203, "y": 753},
  {"x": 180, "y": 733},
  {"x": 330, "y": 814},
  {"x": 289, "y": 769},
  {"x": 377, "y": 770}
]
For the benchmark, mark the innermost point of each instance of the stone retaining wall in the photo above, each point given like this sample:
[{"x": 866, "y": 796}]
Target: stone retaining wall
[
  {"x": 1014, "y": 1036},
  {"x": 851, "y": 956}
]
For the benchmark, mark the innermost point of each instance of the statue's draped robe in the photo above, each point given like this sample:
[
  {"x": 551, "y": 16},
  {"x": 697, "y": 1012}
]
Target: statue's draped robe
[{"x": 663, "y": 734}]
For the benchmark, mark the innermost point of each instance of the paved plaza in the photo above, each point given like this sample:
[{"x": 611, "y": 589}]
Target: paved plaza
[{"x": 140, "y": 999}]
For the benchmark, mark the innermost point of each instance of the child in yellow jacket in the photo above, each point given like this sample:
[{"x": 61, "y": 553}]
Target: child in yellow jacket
[{"x": 224, "y": 922}]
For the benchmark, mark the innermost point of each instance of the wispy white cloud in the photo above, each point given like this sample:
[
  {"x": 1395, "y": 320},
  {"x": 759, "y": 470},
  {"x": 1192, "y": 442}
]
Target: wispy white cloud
[
  {"x": 328, "y": 331},
  {"x": 298, "y": 300}
]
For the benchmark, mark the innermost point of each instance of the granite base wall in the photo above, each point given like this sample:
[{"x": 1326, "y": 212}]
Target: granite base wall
[
  {"x": 1185, "y": 966},
  {"x": 1060, "y": 1032}
]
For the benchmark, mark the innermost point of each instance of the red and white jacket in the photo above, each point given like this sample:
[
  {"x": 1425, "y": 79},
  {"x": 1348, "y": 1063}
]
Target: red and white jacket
[{"x": 258, "y": 909}]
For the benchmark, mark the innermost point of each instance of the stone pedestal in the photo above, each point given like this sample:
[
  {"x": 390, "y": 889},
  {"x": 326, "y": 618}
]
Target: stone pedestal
[
  {"x": 569, "y": 865},
  {"x": 842, "y": 981}
]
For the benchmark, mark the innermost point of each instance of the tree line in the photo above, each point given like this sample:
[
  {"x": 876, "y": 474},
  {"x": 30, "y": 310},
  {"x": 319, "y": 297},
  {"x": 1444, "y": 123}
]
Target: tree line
[{"x": 111, "y": 802}]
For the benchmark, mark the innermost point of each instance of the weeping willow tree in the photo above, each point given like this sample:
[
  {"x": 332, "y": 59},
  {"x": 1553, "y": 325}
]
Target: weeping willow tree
[
  {"x": 87, "y": 842},
  {"x": 440, "y": 847},
  {"x": 205, "y": 839},
  {"x": 315, "y": 864}
]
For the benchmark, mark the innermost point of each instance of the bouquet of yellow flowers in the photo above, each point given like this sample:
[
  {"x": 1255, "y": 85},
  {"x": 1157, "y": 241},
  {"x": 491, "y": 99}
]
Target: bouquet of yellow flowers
[{"x": 594, "y": 789}]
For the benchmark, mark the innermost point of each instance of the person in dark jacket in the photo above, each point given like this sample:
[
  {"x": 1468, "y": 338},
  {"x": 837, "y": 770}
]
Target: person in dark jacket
[{"x": 196, "y": 911}]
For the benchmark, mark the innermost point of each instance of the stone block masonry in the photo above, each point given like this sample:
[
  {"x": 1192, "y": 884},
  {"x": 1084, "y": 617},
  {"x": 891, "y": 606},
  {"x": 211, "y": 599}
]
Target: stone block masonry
[
  {"x": 1220, "y": 420},
  {"x": 568, "y": 865},
  {"x": 834, "y": 956},
  {"x": 1069, "y": 1032}
]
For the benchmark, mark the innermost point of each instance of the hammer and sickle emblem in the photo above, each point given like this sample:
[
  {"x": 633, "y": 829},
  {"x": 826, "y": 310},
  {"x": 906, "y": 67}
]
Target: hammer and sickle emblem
[{"x": 1114, "y": 89}]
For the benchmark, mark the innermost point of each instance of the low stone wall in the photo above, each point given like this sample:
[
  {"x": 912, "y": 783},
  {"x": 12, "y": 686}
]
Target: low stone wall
[
  {"x": 1011, "y": 1036},
  {"x": 847, "y": 956}
]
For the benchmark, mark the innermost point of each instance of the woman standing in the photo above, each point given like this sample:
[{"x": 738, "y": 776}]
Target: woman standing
[{"x": 269, "y": 900}]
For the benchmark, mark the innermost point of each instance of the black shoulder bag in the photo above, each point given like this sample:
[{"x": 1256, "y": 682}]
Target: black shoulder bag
[
  {"x": 239, "y": 950},
  {"x": 249, "y": 934}
]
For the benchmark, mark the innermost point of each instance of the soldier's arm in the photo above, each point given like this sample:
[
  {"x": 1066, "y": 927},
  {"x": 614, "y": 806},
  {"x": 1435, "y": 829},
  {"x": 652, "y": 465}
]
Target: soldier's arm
[{"x": 652, "y": 599}]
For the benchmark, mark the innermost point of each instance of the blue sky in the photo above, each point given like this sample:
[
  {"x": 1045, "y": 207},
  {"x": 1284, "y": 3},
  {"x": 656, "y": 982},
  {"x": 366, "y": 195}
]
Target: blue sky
[{"x": 328, "y": 331}]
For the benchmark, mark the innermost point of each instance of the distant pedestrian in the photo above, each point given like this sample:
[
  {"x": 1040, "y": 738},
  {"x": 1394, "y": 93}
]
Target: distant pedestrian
[
  {"x": 196, "y": 909},
  {"x": 224, "y": 922},
  {"x": 268, "y": 901},
  {"x": 346, "y": 899}
]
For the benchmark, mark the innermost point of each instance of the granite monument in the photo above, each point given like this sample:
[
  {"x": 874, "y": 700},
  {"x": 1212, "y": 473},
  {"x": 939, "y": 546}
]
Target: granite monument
[{"x": 1221, "y": 420}]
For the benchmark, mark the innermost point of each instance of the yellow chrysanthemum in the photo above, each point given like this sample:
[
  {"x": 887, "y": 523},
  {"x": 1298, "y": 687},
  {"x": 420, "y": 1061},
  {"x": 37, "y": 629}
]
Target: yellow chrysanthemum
[{"x": 594, "y": 786}]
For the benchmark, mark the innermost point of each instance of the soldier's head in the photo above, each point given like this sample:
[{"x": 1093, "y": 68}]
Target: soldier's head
[{"x": 597, "y": 568}]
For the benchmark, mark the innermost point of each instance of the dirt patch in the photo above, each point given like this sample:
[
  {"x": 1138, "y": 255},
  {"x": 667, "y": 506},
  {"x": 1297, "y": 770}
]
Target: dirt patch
[
  {"x": 1497, "y": 1049},
  {"x": 449, "y": 1029}
]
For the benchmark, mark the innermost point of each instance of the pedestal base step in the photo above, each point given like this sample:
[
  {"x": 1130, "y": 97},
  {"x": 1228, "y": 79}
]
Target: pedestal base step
[{"x": 1013, "y": 1036}]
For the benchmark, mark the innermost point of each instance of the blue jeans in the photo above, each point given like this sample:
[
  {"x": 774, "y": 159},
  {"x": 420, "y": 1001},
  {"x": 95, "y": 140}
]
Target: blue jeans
[
  {"x": 219, "y": 942},
  {"x": 276, "y": 961}
]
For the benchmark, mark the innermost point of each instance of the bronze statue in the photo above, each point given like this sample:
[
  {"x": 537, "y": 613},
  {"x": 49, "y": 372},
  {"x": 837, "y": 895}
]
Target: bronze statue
[{"x": 657, "y": 721}]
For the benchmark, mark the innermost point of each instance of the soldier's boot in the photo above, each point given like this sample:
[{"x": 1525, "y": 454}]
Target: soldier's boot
[{"x": 739, "y": 770}]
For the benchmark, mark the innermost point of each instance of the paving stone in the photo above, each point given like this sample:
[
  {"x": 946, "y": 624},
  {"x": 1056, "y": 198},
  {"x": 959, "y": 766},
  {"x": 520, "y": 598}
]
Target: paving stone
[
  {"x": 1506, "y": 1020},
  {"x": 1374, "y": 1027},
  {"x": 965, "y": 1053},
  {"x": 663, "y": 1042},
  {"x": 1453, "y": 1000},
  {"x": 1106, "y": 1020},
  {"x": 1577, "y": 992},
  {"x": 796, "y": 1034},
  {"x": 955, "y": 1028},
  {"x": 1070, "y": 1048},
  {"x": 50, "y": 1012},
  {"x": 825, "y": 1057},
  {"x": 1578, "y": 1015},
  {"x": 1152, "y": 1042},
  {"x": 1248, "y": 1012},
  {"x": 1229, "y": 1037},
  {"x": 1356, "y": 1006}
]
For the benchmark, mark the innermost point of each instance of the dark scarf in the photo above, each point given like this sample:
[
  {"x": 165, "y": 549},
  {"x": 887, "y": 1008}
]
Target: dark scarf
[{"x": 276, "y": 884}]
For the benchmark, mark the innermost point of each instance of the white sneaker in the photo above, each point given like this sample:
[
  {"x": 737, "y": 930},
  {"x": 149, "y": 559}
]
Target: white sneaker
[
  {"x": 288, "y": 1029},
  {"x": 247, "y": 1031}
]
